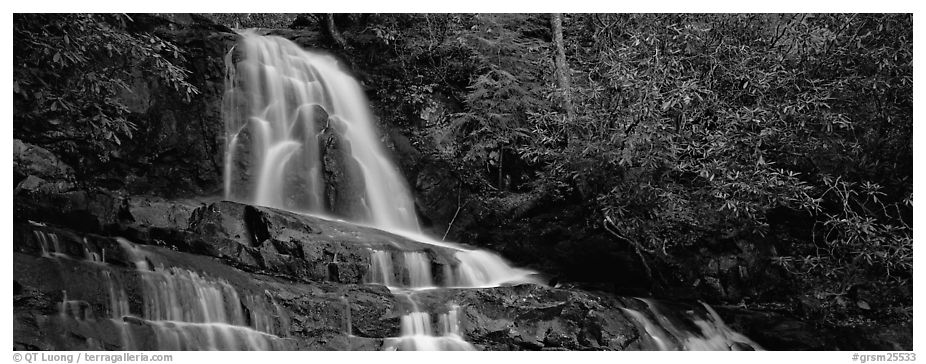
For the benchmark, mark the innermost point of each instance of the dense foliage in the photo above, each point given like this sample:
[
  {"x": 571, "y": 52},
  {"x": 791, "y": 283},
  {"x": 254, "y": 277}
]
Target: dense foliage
[
  {"x": 783, "y": 128},
  {"x": 794, "y": 128},
  {"x": 72, "y": 75},
  {"x": 253, "y": 20},
  {"x": 692, "y": 126}
]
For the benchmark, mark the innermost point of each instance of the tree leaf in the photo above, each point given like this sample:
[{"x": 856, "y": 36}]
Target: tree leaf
[{"x": 666, "y": 105}]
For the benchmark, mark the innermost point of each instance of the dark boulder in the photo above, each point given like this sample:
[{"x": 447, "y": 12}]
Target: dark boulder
[
  {"x": 178, "y": 145},
  {"x": 782, "y": 331},
  {"x": 32, "y": 160},
  {"x": 532, "y": 317},
  {"x": 91, "y": 210},
  {"x": 345, "y": 190},
  {"x": 37, "y": 169}
]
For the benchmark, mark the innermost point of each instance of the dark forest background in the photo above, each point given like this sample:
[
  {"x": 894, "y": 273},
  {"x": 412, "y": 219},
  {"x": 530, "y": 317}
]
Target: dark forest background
[{"x": 754, "y": 160}]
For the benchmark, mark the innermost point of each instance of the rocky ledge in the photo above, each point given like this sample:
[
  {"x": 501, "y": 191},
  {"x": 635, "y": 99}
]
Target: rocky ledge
[
  {"x": 91, "y": 265},
  {"x": 300, "y": 279},
  {"x": 88, "y": 263}
]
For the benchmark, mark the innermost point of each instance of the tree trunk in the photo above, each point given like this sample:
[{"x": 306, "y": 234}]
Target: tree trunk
[
  {"x": 332, "y": 31},
  {"x": 561, "y": 67},
  {"x": 501, "y": 166}
]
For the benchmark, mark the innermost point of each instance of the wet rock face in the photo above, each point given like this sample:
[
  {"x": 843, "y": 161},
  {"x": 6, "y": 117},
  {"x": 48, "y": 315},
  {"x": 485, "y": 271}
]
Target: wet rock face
[
  {"x": 777, "y": 331},
  {"x": 37, "y": 169},
  {"x": 556, "y": 238},
  {"x": 298, "y": 278},
  {"x": 66, "y": 303},
  {"x": 254, "y": 238},
  {"x": 66, "y": 282},
  {"x": 156, "y": 212},
  {"x": 310, "y": 275},
  {"x": 345, "y": 190},
  {"x": 304, "y": 38},
  {"x": 32, "y": 160},
  {"x": 438, "y": 195},
  {"x": 87, "y": 210},
  {"x": 178, "y": 146},
  {"x": 537, "y": 318},
  {"x": 298, "y": 246}
]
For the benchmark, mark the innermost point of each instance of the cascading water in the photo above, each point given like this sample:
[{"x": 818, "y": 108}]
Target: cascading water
[
  {"x": 179, "y": 309},
  {"x": 300, "y": 137},
  {"x": 417, "y": 333},
  {"x": 381, "y": 268},
  {"x": 304, "y": 117},
  {"x": 190, "y": 311},
  {"x": 419, "y": 269},
  {"x": 51, "y": 248},
  {"x": 706, "y": 332}
]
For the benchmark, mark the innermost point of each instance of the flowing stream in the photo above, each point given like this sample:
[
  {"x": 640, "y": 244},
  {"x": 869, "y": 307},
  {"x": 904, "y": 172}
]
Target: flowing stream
[
  {"x": 181, "y": 309},
  {"x": 301, "y": 137}
]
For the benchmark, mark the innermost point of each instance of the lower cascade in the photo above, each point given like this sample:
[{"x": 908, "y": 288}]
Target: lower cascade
[
  {"x": 711, "y": 334},
  {"x": 417, "y": 333},
  {"x": 181, "y": 309},
  {"x": 151, "y": 305}
]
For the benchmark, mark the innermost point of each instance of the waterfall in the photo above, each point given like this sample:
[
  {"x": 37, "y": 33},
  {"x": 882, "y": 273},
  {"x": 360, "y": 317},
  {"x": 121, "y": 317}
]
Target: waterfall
[
  {"x": 417, "y": 332},
  {"x": 48, "y": 242},
  {"x": 300, "y": 137},
  {"x": 480, "y": 268},
  {"x": 381, "y": 268},
  {"x": 177, "y": 308},
  {"x": 419, "y": 270},
  {"x": 189, "y": 311},
  {"x": 183, "y": 309},
  {"x": 672, "y": 334}
]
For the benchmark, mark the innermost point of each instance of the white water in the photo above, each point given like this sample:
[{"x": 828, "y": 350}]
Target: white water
[
  {"x": 282, "y": 104},
  {"x": 51, "y": 247},
  {"x": 712, "y": 334},
  {"x": 473, "y": 269},
  {"x": 480, "y": 268},
  {"x": 277, "y": 96},
  {"x": 381, "y": 268},
  {"x": 184, "y": 309},
  {"x": 418, "y": 334},
  {"x": 274, "y": 93},
  {"x": 48, "y": 242},
  {"x": 179, "y": 335},
  {"x": 418, "y": 266},
  {"x": 476, "y": 268}
]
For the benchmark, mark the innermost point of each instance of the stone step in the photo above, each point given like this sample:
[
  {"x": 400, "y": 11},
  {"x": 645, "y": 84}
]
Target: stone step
[
  {"x": 511, "y": 318},
  {"x": 255, "y": 239}
]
